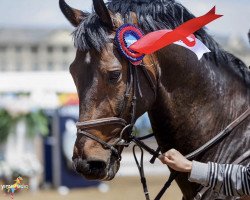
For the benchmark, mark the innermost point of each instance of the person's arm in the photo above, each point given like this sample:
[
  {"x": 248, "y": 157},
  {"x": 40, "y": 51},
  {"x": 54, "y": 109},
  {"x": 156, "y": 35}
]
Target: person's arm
[{"x": 227, "y": 179}]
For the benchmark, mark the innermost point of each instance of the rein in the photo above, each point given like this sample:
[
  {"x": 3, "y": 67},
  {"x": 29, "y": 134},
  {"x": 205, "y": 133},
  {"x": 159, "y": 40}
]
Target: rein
[{"x": 221, "y": 135}]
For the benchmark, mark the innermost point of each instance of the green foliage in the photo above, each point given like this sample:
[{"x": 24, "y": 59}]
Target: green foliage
[
  {"x": 5, "y": 125},
  {"x": 36, "y": 122}
]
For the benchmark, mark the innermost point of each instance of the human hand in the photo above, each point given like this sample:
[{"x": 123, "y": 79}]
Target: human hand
[{"x": 175, "y": 160}]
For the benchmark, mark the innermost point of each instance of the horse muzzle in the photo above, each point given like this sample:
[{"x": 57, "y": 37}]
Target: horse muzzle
[{"x": 96, "y": 169}]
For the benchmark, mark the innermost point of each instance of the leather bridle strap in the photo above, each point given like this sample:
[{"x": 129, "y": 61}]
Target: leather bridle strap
[
  {"x": 100, "y": 122},
  {"x": 221, "y": 135},
  {"x": 141, "y": 171},
  {"x": 82, "y": 126},
  {"x": 104, "y": 144}
]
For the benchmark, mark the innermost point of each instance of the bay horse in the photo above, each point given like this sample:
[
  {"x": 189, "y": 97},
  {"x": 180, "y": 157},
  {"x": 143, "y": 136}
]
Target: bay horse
[{"x": 188, "y": 100}]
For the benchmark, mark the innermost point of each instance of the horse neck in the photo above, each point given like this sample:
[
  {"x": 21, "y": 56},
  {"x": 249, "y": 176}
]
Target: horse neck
[{"x": 195, "y": 100}]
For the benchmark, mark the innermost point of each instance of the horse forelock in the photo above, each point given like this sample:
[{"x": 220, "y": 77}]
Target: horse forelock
[{"x": 91, "y": 34}]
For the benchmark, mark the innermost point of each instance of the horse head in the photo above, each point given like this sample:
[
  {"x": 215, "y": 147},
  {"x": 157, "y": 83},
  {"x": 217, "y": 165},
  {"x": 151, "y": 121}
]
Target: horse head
[{"x": 111, "y": 91}]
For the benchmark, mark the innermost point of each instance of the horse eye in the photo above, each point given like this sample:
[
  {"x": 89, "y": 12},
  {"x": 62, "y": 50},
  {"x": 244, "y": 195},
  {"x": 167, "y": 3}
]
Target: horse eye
[{"x": 114, "y": 76}]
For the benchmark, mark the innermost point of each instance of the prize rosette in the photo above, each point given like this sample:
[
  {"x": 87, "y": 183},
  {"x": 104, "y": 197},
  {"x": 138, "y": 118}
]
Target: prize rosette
[{"x": 126, "y": 35}]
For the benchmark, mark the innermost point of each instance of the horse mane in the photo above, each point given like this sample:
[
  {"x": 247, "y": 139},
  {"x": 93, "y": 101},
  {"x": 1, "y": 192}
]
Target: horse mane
[{"x": 154, "y": 15}]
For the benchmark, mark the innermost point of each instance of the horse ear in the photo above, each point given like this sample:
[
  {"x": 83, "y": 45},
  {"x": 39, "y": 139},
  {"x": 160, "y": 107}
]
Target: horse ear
[
  {"x": 73, "y": 15},
  {"x": 103, "y": 13}
]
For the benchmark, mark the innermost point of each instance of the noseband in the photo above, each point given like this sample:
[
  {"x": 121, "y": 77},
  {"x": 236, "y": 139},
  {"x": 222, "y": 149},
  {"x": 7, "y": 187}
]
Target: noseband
[{"x": 132, "y": 90}]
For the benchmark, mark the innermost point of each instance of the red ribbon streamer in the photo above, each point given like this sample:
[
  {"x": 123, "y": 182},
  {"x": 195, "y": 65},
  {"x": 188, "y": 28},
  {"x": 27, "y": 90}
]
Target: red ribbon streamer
[{"x": 162, "y": 38}]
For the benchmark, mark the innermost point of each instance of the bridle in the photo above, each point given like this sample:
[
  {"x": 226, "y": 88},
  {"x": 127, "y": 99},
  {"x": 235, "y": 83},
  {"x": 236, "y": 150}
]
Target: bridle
[{"x": 132, "y": 91}]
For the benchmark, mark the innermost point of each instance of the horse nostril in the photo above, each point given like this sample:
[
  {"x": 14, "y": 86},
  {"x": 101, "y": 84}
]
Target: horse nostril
[{"x": 97, "y": 165}]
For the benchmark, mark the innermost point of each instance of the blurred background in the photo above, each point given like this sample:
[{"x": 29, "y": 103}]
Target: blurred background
[{"x": 39, "y": 105}]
